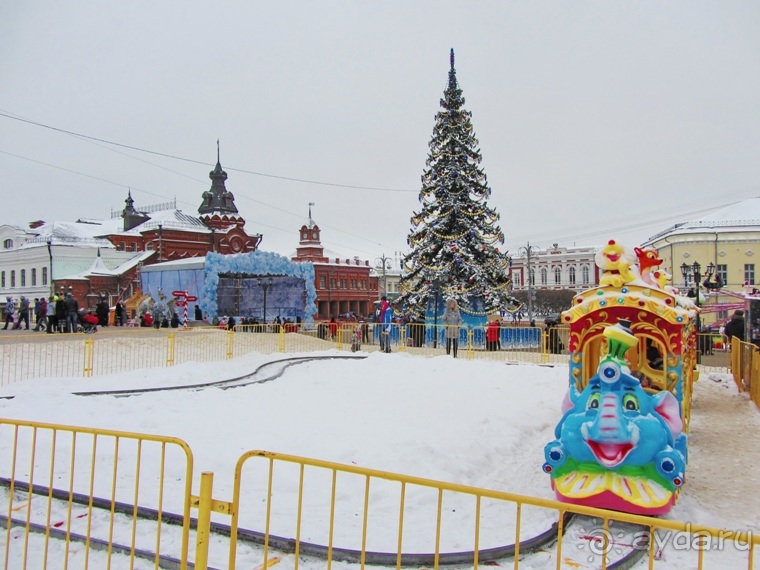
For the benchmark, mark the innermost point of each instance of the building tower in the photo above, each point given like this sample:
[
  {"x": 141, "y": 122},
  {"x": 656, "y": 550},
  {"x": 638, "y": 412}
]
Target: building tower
[
  {"x": 218, "y": 210},
  {"x": 309, "y": 243}
]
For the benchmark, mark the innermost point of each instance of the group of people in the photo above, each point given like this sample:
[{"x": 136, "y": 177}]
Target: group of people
[
  {"x": 54, "y": 314},
  {"x": 58, "y": 313}
]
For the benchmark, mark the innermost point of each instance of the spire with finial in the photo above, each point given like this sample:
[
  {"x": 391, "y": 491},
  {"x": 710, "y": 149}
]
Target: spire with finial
[
  {"x": 311, "y": 221},
  {"x": 218, "y": 200}
]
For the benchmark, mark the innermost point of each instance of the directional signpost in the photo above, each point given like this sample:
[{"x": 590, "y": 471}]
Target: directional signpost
[{"x": 184, "y": 299}]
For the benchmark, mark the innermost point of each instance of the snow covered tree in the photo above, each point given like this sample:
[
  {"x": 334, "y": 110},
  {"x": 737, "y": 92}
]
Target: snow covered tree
[{"x": 454, "y": 237}]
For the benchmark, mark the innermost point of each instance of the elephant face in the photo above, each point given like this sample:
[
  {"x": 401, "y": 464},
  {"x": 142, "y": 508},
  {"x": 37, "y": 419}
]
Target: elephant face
[{"x": 615, "y": 423}]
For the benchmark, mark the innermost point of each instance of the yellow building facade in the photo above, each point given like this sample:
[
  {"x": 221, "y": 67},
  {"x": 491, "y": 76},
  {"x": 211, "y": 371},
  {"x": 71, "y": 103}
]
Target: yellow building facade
[{"x": 727, "y": 239}]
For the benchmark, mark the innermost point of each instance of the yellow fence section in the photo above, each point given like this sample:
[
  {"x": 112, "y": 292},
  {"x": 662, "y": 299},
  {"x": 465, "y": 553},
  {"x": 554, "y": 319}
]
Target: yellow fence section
[
  {"x": 77, "y": 497},
  {"x": 345, "y": 513},
  {"x": 80, "y": 497},
  {"x": 745, "y": 367},
  {"x": 124, "y": 349}
]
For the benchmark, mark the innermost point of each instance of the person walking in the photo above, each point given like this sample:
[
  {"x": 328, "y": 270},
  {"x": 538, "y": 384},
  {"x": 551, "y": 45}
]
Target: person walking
[
  {"x": 492, "y": 335},
  {"x": 52, "y": 320},
  {"x": 8, "y": 312},
  {"x": 23, "y": 312},
  {"x": 120, "y": 314},
  {"x": 385, "y": 327},
  {"x": 71, "y": 306},
  {"x": 735, "y": 327},
  {"x": 60, "y": 312},
  {"x": 42, "y": 320},
  {"x": 452, "y": 320},
  {"x": 102, "y": 311}
]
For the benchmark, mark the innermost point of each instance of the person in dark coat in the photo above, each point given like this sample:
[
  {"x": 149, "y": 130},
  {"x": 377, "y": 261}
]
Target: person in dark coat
[
  {"x": 120, "y": 314},
  {"x": 735, "y": 327},
  {"x": 102, "y": 310},
  {"x": 60, "y": 314},
  {"x": 198, "y": 313},
  {"x": 23, "y": 313},
  {"x": 71, "y": 306}
]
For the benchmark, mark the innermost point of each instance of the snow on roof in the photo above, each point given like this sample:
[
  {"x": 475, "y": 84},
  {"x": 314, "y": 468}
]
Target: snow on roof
[
  {"x": 91, "y": 232},
  {"x": 129, "y": 264},
  {"x": 177, "y": 264},
  {"x": 175, "y": 219},
  {"x": 733, "y": 217}
]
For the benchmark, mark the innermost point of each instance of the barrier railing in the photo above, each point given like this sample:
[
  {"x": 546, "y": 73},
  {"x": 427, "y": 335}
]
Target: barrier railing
[
  {"x": 345, "y": 513},
  {"x": 50, "y": 476},
  {"x": 87, "y": 497},
  {"x": 745, "y": 368},
  {"x": 125, "y": 349}
]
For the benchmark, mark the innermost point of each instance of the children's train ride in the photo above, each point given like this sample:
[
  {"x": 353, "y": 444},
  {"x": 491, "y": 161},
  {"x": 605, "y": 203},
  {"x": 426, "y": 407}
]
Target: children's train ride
[{"x": 621, "y": 443}]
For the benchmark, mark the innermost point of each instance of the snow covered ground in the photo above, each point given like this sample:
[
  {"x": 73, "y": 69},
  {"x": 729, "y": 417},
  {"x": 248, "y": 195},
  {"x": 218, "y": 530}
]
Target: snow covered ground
[{"x": 473, "y": 423}]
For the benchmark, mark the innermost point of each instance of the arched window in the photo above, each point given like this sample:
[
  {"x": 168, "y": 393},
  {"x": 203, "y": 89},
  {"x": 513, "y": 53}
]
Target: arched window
[
  {"x": 23, "y": 277},
  {"x": 544, "y": 276},
  {"x": 532, "y": 276},
  {"x": 585, "y": 274},
  {"x": 571, "y": 275},
  {"x": 557, "y": 276},
  {"x": 8, "y": 244}
]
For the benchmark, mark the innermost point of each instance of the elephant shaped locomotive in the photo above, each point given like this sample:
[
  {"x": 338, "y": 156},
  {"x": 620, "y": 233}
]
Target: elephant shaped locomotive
[{"x": 618, "y": 446}]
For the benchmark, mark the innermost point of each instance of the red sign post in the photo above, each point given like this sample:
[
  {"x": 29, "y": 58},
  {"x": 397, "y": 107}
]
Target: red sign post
[{"x": 184, "y": 299}]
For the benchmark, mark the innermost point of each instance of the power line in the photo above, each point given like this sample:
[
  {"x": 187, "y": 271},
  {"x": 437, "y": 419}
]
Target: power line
[{"x": 174, "y": 157}]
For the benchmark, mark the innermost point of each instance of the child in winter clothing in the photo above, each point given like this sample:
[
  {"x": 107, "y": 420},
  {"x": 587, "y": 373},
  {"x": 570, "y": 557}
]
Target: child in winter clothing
[{"x": 356, "y": 340}]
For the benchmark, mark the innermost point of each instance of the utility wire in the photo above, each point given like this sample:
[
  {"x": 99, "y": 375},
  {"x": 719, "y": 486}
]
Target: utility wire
[{"x": 174, "y": 157}]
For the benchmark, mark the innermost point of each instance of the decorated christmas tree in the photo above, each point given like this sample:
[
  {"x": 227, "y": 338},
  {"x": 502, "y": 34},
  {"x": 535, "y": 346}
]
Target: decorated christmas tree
[{"x": 454, "y": 237}]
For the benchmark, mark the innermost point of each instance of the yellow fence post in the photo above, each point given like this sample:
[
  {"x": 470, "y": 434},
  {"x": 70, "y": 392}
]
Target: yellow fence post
[
  {"x": 470, "y": 348},
  {"x": 89, "y": 346},
  {"x": 544, "y": 347},
  {"x": 230, "y": 343},
  {"x": 402, "y": 339},
  {"x": 204, "y": 521},
  {"x": 281, "y": 339},
  {"x": 339, "y": 337},
  {"x": 170, "y": 350}
]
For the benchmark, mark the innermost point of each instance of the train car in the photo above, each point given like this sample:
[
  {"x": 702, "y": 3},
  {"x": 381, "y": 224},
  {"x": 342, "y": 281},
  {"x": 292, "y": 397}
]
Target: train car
[{"x": 621, "y": 443}]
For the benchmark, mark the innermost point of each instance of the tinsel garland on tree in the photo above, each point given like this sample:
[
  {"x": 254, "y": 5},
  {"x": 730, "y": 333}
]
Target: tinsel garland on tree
[{"x": 454, "y": 237}]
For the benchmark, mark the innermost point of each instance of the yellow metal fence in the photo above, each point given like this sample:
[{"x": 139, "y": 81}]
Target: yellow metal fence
[
  {"x": 745, "y": 367},
  {"x": 122, "y": 350},
  {"x": 79, "y": 497}
]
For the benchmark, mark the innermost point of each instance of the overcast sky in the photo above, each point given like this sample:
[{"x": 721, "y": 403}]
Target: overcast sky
[{"x": 596, "y": 120}]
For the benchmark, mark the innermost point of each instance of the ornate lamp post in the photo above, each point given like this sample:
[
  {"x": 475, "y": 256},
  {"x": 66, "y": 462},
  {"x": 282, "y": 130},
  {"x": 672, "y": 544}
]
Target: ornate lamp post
[
  {"x": 692, "y": 274},
  {"x": 436, "y": 285},
  {"x": 265, "y": 284},
  {"x": 50, "y": 255},
  {"x": 384, "y": 263},
  {"x": 528, "y": 251}
]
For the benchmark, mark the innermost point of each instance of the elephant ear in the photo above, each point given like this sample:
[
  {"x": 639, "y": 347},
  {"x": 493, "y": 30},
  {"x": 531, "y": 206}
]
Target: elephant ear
[
  {"x": 667, "y": 406},
  {"x": 567, "y": 401}
]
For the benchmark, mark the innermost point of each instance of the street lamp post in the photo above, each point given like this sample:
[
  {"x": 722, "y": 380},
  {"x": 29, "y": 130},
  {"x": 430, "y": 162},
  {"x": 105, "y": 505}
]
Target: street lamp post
[
  {"x": 50, "y": 255},
  {"x": 436, "y": 288},
  {"x": 265, "y": 284},
  {"x": 693, "y": 274},
  {"x": 383, "y": 263},
  {"x": 528, "y": 251}
]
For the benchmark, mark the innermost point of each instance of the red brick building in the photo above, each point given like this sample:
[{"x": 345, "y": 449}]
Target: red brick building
[
  {"x": 344, "y": 286},
  {"x": 91, "y": 258}
]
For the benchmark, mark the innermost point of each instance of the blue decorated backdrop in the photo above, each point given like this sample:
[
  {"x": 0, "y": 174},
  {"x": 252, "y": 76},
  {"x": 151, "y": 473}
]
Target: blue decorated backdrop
[{"x": 261, "y": 263}]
